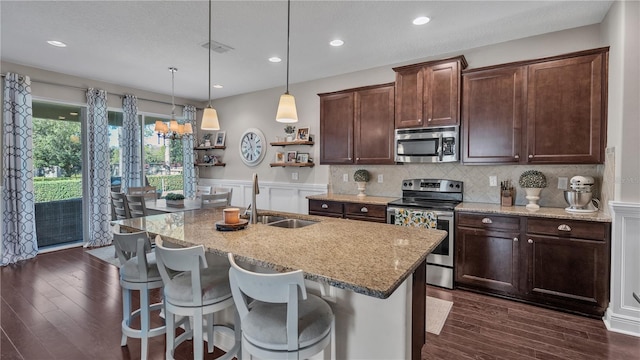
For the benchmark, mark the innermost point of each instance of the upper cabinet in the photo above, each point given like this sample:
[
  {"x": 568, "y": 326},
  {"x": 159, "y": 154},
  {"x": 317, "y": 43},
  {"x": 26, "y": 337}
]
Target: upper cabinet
[
  {"x": 428, "y": 94},
  {"x": 356, "y": 126},
  {"x": 546, "y": 111}
]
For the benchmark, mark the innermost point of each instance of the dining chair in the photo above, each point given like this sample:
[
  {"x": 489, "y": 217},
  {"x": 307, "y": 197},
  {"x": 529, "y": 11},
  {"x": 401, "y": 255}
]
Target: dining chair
[
  {"x": 195, "y": 286},
  {"x": 279, "y": 320},
  {"x": 203, "y": 190},
  {"x": 137, "y": 205},
  {"x": 221, "y": 190},
  {"x": 138, "y": 271},
  {"x": 215, "y": 200},
  {"x": 119, "y": 206},
  {"x": 149, "y": 192}
]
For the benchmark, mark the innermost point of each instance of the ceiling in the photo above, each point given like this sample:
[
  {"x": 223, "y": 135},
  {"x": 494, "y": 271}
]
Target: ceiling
[{"x": 133, "y": 43}]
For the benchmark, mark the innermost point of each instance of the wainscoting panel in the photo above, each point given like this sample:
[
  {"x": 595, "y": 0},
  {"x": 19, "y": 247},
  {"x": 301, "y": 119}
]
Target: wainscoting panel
[{"x": 277, "y": 196}]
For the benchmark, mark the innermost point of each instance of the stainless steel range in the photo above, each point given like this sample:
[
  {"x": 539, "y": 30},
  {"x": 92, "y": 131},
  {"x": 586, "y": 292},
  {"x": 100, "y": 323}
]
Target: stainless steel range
[{"x": 440, "y": 197}]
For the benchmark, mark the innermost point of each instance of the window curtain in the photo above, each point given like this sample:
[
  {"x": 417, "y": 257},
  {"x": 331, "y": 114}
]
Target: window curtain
[
  {"x": 130, "y": 144},
  {"x": 19, "y": 239},
  {"x": 188, "y": 168},
  {"x": 98, "y": 181}
]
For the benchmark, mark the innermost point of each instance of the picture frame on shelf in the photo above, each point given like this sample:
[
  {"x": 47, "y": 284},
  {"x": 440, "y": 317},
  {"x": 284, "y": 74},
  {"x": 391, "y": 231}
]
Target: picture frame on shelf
[
  {"x": 302, "y": 134},
  {"x": 220, "y": 137},
  {"x": 302, "y": 158},
  {"x": 291, "y": 156},
  {"x": 279, "y": 156}
]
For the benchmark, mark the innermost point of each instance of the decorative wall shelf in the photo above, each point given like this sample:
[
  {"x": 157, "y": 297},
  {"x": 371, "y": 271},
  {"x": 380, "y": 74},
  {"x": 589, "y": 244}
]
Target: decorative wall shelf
[
  {"x": 310, "y": 164},
  {"x": 210, "y": 164},
  {"x": 210, "y": 147},
  {"x": 285, "y": 143}
]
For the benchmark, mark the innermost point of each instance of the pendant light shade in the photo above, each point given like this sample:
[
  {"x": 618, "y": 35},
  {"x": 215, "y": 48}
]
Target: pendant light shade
[
  {"x": 287, "y": 112},
  {"x": 210, "y": 115},
  {"x": 210, "y": 119}
]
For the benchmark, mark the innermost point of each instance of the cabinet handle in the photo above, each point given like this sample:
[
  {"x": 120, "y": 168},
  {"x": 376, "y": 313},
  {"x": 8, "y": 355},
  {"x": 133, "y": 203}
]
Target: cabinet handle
[
  {"x": 429, "y": 119},
  {"x": 349, "y": 158},
  {"x": 487, "y": 221},
  {"x": 564, "y": 227},
  {"x": 530, "y": 156},
  {"x": 517, "y": 156},
  {"x": 530, "y": 241},
  {"x": 515, "y": 239},
  {"x": 358, "y": 159},
  {"x": 364, "y": 210},
  {"x": 325, "y": 206}
]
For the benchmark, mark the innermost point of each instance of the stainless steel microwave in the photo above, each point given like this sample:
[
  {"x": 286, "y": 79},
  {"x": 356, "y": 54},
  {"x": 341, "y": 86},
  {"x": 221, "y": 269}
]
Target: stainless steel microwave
[{"x": 427, "y": 145}]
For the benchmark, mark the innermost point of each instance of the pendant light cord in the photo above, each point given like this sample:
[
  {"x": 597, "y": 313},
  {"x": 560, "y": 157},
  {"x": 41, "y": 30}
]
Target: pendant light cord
[
  {"x": 288, "y": 41},
  {"x": 210, "y": 53},
  {"x": 173, "y": 103}
]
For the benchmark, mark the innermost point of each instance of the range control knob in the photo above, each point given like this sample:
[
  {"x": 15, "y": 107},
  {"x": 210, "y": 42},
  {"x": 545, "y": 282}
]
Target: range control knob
[
  {"x": 450, "y": 185},
  {"x": 404, "y": 184},
  {"x": 458, "y": 186},
  {"x": 410, "y": 184}
]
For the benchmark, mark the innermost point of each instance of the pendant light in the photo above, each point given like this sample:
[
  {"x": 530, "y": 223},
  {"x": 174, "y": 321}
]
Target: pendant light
[
  {"x": 174, "y": 130},
  {"x": 210, "y": 115},
  {"x": 287, "y": 112}
]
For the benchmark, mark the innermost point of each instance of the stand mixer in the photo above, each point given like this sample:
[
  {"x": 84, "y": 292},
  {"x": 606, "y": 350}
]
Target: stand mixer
[{"x": 579, "y": 197}]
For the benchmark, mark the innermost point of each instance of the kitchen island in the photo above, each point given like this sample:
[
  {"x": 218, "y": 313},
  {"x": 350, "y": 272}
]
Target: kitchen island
[{"x": 372, "y": 274}]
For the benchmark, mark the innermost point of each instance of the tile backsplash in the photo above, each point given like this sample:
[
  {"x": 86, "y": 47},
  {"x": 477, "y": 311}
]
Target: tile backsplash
[{"x": 475, "y": 178}]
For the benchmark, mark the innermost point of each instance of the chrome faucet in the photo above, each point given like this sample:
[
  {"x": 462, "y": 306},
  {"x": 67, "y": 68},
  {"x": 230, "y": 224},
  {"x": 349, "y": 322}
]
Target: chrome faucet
[{"x": 254, "y": 192}]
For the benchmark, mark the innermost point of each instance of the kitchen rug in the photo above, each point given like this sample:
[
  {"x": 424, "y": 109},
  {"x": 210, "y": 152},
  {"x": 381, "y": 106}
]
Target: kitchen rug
[
  {"x": 106, "y": 253},
  {"x": 437, "y": 311}
]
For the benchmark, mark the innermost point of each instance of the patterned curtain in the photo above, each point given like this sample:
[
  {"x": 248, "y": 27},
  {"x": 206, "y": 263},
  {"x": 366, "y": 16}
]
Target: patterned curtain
[
  {"x": 130, "y": 144},
  {"x": 188, "y": 169},
  {"x": 98, "y": 181},
  {"x": 19, "y": 240}
]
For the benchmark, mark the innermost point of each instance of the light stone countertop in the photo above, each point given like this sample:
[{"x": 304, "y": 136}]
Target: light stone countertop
[
  {"x": 369, "y": 258},
  {"x": 373, "y": 200},
  {"x": 543, "y": 212}
]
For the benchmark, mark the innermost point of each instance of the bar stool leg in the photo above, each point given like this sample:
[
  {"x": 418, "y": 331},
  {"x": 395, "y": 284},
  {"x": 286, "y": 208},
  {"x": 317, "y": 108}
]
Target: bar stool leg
[
  {"x": 126, "y": 313},
  {"x": 210, "y": 333},
  {"x": 144, "y": 323},
  {"x": 198, "y": 347},
  {"x": 171, "y": 333}
]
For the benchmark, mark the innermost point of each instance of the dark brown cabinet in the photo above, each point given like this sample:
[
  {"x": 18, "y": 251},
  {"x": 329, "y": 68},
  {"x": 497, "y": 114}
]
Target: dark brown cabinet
[
  {"x": 428, "y": 94},
  {"x": 557, "y": 263},
  {"x": 545, "y": 111},
  {"x": 356, "y": 126},
  {"x": 349, "y": 210}
]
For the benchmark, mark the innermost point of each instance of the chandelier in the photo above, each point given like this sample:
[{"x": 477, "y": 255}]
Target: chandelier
[{"x": 173, "y": 131}]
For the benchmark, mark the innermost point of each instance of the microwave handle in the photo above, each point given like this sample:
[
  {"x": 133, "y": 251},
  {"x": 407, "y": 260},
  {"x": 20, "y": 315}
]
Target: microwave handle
[{"x": 440, "y": 147}]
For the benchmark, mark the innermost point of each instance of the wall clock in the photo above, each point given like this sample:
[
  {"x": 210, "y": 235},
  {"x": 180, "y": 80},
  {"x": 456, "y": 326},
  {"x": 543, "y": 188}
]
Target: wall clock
[{"x": 252, "y": 147}]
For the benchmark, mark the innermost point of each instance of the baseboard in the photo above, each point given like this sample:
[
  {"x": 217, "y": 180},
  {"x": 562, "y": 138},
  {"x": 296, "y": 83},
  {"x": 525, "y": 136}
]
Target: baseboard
[{"x": 621, "y": 324}]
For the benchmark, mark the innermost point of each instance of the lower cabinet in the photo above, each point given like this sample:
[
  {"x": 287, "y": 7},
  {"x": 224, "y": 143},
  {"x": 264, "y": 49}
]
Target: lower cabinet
[
  {"x": 349, "y": 210},
  {"x": 561, "y": 264}
]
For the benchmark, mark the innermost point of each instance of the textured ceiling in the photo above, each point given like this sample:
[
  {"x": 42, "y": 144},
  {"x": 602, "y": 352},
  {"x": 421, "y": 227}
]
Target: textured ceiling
[{"x": 133, "y": 43}]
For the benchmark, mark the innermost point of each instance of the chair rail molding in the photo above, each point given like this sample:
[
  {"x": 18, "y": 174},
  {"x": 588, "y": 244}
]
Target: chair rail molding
[
  {"x": 276, "y": 196},
  {"x": 623, "y": 314}
]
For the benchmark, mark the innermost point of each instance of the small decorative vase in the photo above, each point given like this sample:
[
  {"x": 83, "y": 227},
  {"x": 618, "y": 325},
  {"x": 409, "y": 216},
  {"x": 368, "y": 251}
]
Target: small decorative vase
[
  {"x": 289, "y": 138},
  {"x": 207, "y": 143},
  {"x": 362, "y": 186},
  {"x": 533, "y": 195}
]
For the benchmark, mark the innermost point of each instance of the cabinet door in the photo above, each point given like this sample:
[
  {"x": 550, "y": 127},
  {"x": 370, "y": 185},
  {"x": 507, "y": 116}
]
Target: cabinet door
[
  {"x": 568, "y": 272},
  {"x": 487, "y": 260},
  {"x": 565, "y": 110},
  {"x": 374, "y": 126},
  {"x": 336, "y": 128},
  {"x": 492, "y": 112},
  {"x": 409, "y": 98},
  {"x": 442, "y": 94}
]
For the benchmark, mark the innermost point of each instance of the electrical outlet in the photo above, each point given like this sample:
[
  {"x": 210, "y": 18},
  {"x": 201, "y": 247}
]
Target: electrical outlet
[
  {"x": 380, "y": 178},
  {"x": 345, "y": 177},
  {"x": 493, "y": 180},
  {"x": 562, "y": 183},
  {"x": 294, "y": 176}
]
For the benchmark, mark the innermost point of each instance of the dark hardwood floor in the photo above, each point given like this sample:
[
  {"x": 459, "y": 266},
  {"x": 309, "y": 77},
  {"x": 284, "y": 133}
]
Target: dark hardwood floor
[{"x": 67, "y": 305}]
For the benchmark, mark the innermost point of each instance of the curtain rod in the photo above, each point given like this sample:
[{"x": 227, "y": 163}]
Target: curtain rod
[{"x": 108, "y": 92}]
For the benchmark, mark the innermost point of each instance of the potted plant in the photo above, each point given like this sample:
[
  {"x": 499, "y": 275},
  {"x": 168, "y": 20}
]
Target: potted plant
[
  {"x": 532, "y": 181},
  {"x": 289, "y": 130},
  {"x": 207, "y": 140},
  {"x": 361, "y": 177},
  {"x": 174, "y": 200}
]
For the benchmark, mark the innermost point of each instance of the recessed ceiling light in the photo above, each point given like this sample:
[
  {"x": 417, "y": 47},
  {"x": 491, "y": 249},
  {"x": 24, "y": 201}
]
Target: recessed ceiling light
[
  {"x": 56, "y": 43},
  {"x": 275, "y": 59},
  {"x": 73, "y": 113},
  {"x": 217, "y": 86},
  {"x": 421, "y": 20},
  {"x": 336, "y": 42}
]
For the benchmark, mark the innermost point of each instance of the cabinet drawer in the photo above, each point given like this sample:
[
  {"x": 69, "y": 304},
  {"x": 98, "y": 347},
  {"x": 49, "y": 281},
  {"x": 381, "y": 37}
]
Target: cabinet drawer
[
  {"x": 489, "y": 221},
  {"x": 365, "y": 211},
  {"x": 568, "y": 228},
  {"x": 321, "y": 206}
]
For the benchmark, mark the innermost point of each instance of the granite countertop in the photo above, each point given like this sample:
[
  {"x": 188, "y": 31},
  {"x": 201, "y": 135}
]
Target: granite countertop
[
  {"x": 373, "y": 200},
  {"x": 368, "y": 258},
  {"x": 543, "y": 212}
]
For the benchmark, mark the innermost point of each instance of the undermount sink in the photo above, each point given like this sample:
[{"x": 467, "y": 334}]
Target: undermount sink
[
  {"x": 292, "y": 223},
  {"x": 267, "y": 219}
]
